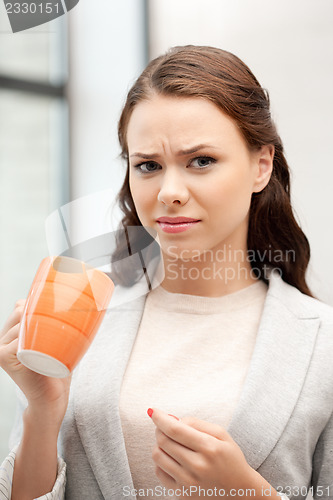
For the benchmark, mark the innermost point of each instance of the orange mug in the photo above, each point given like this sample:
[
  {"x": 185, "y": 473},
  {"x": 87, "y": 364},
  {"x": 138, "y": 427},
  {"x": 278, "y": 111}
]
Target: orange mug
[{"x": 64, "y": 309}]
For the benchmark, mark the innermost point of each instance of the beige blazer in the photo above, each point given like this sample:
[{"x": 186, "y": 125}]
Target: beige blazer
[{"x": 283, "y": 421}]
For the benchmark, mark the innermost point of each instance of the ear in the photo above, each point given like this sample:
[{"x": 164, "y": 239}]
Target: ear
[{"x": 264, "y": 164}]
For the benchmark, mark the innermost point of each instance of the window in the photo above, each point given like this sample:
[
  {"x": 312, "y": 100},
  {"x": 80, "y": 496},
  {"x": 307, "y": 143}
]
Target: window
[{"x": 34, "y": 169}]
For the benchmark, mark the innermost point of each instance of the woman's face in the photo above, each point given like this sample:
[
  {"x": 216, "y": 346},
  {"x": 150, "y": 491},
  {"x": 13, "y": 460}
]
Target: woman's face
[{"x": 188, "y": 159}]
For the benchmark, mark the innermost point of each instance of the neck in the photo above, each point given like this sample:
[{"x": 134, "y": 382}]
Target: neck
[{"x": 210, "y": 275}]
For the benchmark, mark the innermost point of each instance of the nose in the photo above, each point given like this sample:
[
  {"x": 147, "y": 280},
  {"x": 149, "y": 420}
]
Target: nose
[{"x": 173, "y": 189}]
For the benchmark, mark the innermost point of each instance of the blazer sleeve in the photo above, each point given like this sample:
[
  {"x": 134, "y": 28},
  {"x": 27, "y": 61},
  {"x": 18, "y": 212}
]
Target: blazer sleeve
[
  {"x": 7, "y": 467},
  {"x": 322, "y": 464}
]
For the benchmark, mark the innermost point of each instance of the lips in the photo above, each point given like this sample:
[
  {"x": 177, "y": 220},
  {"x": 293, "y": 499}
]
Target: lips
[
  {"x": 176, "y": 220},
  {"x": 176, "y": 224}
]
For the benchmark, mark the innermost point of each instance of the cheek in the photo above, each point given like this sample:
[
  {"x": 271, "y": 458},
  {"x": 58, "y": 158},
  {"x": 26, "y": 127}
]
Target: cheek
[
  {"x": 228, "y": 194},
  {"x": 231, "y": 184},
  {"x": 141, "y": 198},
  {"x": 228, "y": 202}
]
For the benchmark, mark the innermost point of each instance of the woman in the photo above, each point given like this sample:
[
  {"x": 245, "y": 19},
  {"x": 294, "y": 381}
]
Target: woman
[{"x": 228, "y": 353}]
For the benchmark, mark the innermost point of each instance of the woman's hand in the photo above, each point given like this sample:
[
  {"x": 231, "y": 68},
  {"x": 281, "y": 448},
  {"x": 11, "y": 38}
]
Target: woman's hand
[
  {"x": 193, "y": 454},
  {"x": 45, "y": 395}
]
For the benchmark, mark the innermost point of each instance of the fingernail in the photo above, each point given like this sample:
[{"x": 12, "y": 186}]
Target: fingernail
[
  {"x": 150, "y": 412},
  {"x": 173, "y": 416}
]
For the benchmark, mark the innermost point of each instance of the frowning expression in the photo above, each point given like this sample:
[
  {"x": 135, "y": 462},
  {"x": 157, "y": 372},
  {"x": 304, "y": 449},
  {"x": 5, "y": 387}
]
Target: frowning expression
[{"x": 188, "y": 159}]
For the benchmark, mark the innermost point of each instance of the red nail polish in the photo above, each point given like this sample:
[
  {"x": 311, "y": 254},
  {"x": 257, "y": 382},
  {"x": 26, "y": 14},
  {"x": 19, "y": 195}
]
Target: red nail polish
[
  {"x": 173, "y": 416},
  {"x": 150, "y": 412}
]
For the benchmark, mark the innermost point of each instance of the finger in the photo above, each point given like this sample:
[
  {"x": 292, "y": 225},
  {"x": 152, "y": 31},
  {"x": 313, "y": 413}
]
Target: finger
[
  {"x": 11, "y": 335},
  {"x": 214, "y": 430},
  {"x": 179, "y": 431},
  {"x": 8, "y": 357},
  {"x": 166, "y": 463},
  {"x": 165, "y": 479},
  {"x": 184, "y": 456},
  {"x": 13, "y": 319},
  {"x": 20, "y": 303}
]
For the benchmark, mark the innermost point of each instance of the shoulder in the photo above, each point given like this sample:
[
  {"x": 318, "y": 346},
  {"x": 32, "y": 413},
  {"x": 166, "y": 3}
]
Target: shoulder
[
  {"x": 306, "y": 323},
  {"x": 299, "y": 304},
  {"x": 325, "y": 311}
]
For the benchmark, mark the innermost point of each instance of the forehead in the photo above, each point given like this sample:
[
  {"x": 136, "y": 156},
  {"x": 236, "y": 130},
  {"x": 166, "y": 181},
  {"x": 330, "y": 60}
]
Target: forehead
[{"x": 181, "y": 120}]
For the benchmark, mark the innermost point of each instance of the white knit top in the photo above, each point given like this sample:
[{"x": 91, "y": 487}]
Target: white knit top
[{"x": 190, "y": 358}]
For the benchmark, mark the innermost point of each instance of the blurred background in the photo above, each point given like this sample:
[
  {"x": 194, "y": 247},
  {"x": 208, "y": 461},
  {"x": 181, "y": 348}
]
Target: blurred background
[{"x": 62, "y": 86}]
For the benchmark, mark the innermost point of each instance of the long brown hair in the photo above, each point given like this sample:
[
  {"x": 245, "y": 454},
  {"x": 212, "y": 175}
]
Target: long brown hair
[{"x": 221, "y": 77}]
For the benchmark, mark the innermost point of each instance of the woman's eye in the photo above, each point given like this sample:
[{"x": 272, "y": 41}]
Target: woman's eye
[
  {"x": 146, "y": 167},
  {"x": 199, "y": 163},
  {"x": 202, "y": 161}
]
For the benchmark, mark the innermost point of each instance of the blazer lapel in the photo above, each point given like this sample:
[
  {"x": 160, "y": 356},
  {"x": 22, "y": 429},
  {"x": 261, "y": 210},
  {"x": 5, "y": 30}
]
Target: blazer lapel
[{"x": 278, "y": 366}]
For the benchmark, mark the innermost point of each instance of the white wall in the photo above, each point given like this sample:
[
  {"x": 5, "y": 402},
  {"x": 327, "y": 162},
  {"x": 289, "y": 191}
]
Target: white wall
[{"x": 289, "y": 47}]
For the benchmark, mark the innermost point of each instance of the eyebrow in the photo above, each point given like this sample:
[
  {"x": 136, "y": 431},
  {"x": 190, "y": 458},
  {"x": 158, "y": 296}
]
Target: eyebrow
[{"x": 182, "y": 152}]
